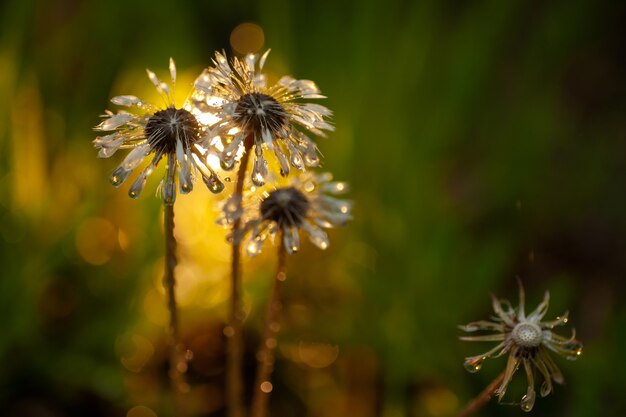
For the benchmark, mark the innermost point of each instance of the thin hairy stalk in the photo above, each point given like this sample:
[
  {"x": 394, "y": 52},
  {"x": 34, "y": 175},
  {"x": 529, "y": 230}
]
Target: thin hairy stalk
[
  {"x": 178, "y": 360},
  {"x": 482, "y": 398},
  {"x": 265, "y": 355},
  {"x": 234, "y": 344}
]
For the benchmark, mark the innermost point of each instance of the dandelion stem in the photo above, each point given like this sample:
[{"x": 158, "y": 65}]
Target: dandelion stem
[
  {"x": 234, "y": 347},
  {"x": 265, "y": 355},
  {"x": 178, "y": 360},
  {"x": 483, "y": 398}
]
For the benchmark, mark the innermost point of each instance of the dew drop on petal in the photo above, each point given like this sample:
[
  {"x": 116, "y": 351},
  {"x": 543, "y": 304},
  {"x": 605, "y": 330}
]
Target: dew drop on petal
[
  {"x": 317, "y": 236},
  {"x": 118, "y": 176},
  {"x": 125, "y": 100},
  {"x": 296, "y": 160},
  {"x": 137, "y": 187},
  {"x": 169, "y": 191},
  {"x": 311, "y": 158},
  {"x": 291, "y": 239},
  {"x": 474, "y": 364},
  {"x": 115, "y": 121},
  {"x": 259, "y": 171},
  {"x": 528, "y": 401},
  {"x": 227, "y": 162},
  {"x": 185, "y": 186},
  {"x": 213, "y": 183},
  {"x": 575, "y": 349}
]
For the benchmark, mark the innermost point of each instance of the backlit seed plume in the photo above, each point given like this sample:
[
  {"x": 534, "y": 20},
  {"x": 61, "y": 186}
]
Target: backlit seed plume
[
  {"x": 527, "y": 340},
  {"x": 155, "y": 132},
  {"x": 303, "y": 204},
  {"x": 251, "y": 114}
]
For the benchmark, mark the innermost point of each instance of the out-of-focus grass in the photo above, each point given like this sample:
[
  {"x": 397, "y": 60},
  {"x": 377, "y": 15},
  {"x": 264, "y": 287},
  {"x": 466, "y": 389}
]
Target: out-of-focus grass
[{"x": 483, "y": 141}]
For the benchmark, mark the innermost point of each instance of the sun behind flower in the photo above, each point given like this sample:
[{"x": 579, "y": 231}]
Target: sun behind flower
[
  {"x": 251, "y": 114},
  {"x": 303, "y": 204},
  {"x": 527, "y": 340},
  {"x": 167, "y": 131}
]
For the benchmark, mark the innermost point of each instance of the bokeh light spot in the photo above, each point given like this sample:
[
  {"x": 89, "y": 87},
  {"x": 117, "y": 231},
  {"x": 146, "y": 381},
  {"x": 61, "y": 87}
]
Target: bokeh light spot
[
  {"x": 440, "y": 402},
  {"x": 247, "y": 38},
  {"x": 135, "y": 351},
  {"x": 317, "y": 355},
  {"x": 141, "y": 411},
  {"x": 96, "y": 239}
]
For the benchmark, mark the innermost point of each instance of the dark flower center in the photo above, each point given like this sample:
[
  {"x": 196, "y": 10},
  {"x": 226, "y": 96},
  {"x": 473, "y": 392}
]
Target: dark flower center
[
  {"x": 285, "y": 206},
  {"x": 256, "y": 112},
  {"x": 166, "y": 127}
]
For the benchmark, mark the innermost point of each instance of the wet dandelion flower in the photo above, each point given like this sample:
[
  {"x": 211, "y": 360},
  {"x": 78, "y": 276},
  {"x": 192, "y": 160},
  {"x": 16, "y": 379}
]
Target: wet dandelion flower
[
  {"x": 304, "y": 204},
  {"x": 171, "y": 132},
  {"x": 527, "y": 340},
  {"x": 251, "y": 114}
]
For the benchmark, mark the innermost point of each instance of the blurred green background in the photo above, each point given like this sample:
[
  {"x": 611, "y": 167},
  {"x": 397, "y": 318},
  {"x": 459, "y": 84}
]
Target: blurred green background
[{"x": 483, "y": 140}]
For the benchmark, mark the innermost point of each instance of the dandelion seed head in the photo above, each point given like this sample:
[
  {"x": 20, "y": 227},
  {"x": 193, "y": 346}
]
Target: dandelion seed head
[
  {"x": 285, "y": 206},
  {"x": 527, "y": 340},
  {"x": 527, "y": 334},
  {"x": 256, "y": 112},
  {"x": 154, "y": 133},
  {"x": 306, "y": 203},
  {"x": 165, "y": 127}
]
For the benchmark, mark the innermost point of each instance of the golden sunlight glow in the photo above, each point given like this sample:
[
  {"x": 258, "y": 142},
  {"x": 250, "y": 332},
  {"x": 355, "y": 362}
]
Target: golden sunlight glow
[
  {"x": 154, "y": 307},
  {"x": 204, "y": 260},
  {"x": 28, "y": 149},
  {"x": 141, "y": 411},
  {"x": 213, "y": 161},
  {"x": 208, "y": 119},
  {"x": 96, "y": 239},
  {"x": 247, "y": 38},
  {"x": 233, "y": 131},
  {"x": 439, "y": 402},
  {"x": 217, "y": 143}
]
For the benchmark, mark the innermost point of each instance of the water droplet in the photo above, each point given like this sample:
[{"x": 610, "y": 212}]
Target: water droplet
[
  {"x": 474, "y": 364},
  {"x": 185, "y": 187},
  {"x": 213, "y": 183},
  {"x": 528, "y": 401},
  {"x": 311, "y": 159},
  {"x": 118, "y": 176},
  {"x": 259, "y": 171},
  {"x": 169, "y": 192},
  {"x": 575, "y": 349},
  {"x": 227, "y": 163}
]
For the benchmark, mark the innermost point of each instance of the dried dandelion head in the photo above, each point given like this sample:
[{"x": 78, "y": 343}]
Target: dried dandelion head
[
  {"x": 304, "y": 204},
  {"x": 155, "y": 132},
  {"x": 527, "y": 340},
  {"x": 249, "y": 113}
]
